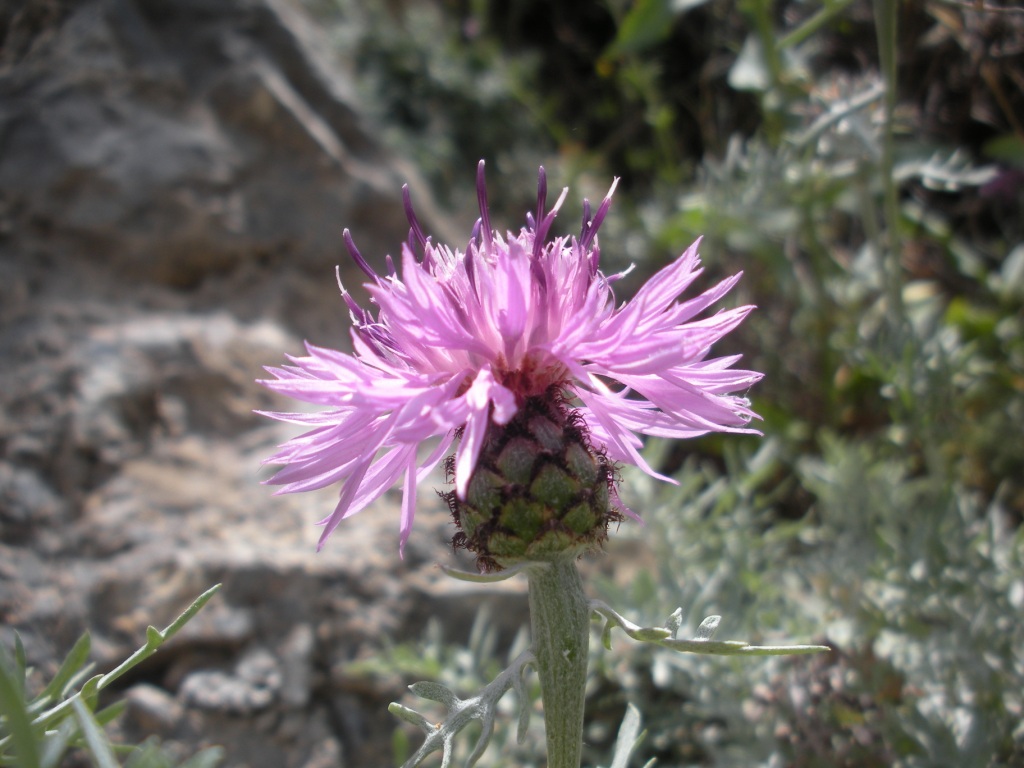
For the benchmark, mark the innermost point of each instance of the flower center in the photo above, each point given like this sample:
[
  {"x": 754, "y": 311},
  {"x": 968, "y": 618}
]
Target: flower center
[{"x": 535, "y": 375}]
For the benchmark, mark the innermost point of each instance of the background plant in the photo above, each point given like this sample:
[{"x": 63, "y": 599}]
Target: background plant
[
  {"x": 863, "y": 163},
  {"x": 63, "y": 720}
]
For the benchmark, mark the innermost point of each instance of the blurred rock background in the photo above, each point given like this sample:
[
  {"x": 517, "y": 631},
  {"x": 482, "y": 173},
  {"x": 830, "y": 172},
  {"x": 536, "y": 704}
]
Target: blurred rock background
[{"x": 174, "y": 179}]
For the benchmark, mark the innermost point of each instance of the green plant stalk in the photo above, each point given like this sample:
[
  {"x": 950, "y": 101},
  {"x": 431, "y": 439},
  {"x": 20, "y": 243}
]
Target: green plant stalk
[
  {"x": 886, "y": 19},
  {"x": 560, "y": 624},
  {"x": 824, "y": 15}
]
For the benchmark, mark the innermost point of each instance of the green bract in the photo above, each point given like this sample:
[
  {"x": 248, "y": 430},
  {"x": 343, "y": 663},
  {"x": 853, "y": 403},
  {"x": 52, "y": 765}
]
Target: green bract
[{"x": 539, "y": 491}]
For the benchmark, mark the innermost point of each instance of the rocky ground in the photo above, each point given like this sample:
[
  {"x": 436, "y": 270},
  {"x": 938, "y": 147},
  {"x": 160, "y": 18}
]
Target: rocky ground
[{"x": 174, "y": 176}]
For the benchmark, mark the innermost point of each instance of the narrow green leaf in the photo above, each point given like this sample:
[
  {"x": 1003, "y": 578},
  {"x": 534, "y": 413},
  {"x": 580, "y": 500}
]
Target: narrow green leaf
[
  {"x": 186, "y": 616},
  {"x": 821, "y": 18},
  {"x": 108, "y": 714},
  {"x": 37, "y": 705},
  {"x": 41, "y": 703},
  {"x": 73, "y": 662},
  {"x": 99, "y": 745},
  {"x": 50, "y": 717},
  {"x": 155, "y": 638},
  {"x": 55, "y": 744},
  {"x": 783, "y": 650},
  {"x": 21, "y": 661},
  {"x": 12, "y": 702},
  {"x": 629, "y": 737},
  {"x": 208, "y": 758},
  {"x": 148, "y": 755},
  {"x": 485, "y": 578}
]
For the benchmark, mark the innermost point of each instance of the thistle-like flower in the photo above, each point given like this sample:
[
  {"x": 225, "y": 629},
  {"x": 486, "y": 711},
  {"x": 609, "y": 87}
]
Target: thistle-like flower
[{"x": 516, "y": 350}]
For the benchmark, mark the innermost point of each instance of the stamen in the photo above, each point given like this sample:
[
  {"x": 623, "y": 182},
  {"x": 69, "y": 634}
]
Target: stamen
[
  {"x": 357, "y": 313},
  {"x": 589, "y": 232},
  {"x": 366, "y": 326},
  {"x": 586, "y": 220},
  {"x": 357, "y": 257},
  {"x": 541, "y": 235},
  {"x": 414, "y": 223},
  {"x": 481, "y": 196},
  {"x": 468, "y": 259},
  {"x": 542, "y": 192}
]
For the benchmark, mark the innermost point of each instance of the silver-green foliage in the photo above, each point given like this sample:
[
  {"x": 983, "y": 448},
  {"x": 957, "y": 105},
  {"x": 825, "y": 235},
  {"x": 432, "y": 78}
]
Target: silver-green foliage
[{"x": 914, "y": 581}]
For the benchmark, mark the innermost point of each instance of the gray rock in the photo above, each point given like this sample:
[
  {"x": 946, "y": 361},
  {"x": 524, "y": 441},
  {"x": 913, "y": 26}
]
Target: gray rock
[
  {"x": 297, "y": 671},
  {"x": 153, "y": 709},
  {"x": 180, "y": 142},
  {"x": 252, "y": 687}
]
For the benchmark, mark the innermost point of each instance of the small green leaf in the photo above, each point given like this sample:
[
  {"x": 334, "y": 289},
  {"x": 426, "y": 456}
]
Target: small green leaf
[
  {"x": 409, "y": 715},
  {"x": 651, "y": 634},
  {"x": 707, "y": 628},
  {"x": 648, "y": 23},
  {"x": 750, "y": 71},
  {"x": 675, "y": 622},
  {"x": 435, "y": 692}
]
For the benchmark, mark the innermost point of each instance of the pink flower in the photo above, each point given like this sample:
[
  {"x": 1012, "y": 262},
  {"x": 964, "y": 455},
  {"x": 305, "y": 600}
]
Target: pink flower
[{"x": 460, "y": 339}]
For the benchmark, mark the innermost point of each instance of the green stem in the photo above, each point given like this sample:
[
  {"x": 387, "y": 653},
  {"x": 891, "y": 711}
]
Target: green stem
[
  {"x": 886, "y": 20},
  {"x": 560, "y": 621}
]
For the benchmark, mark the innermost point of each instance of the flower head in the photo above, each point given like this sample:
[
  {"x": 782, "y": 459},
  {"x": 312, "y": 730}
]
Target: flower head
[{"x": 463, "y": 341}]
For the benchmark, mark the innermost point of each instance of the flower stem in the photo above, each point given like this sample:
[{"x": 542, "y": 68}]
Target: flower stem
[{"x": 560, "y": 623}]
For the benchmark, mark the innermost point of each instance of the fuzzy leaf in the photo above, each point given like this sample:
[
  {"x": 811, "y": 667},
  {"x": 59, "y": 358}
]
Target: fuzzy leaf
[
  {"x": 707, "y": 628},
  {"x": 461, "y": 712},
  {"x": 661, "y": 636}
]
